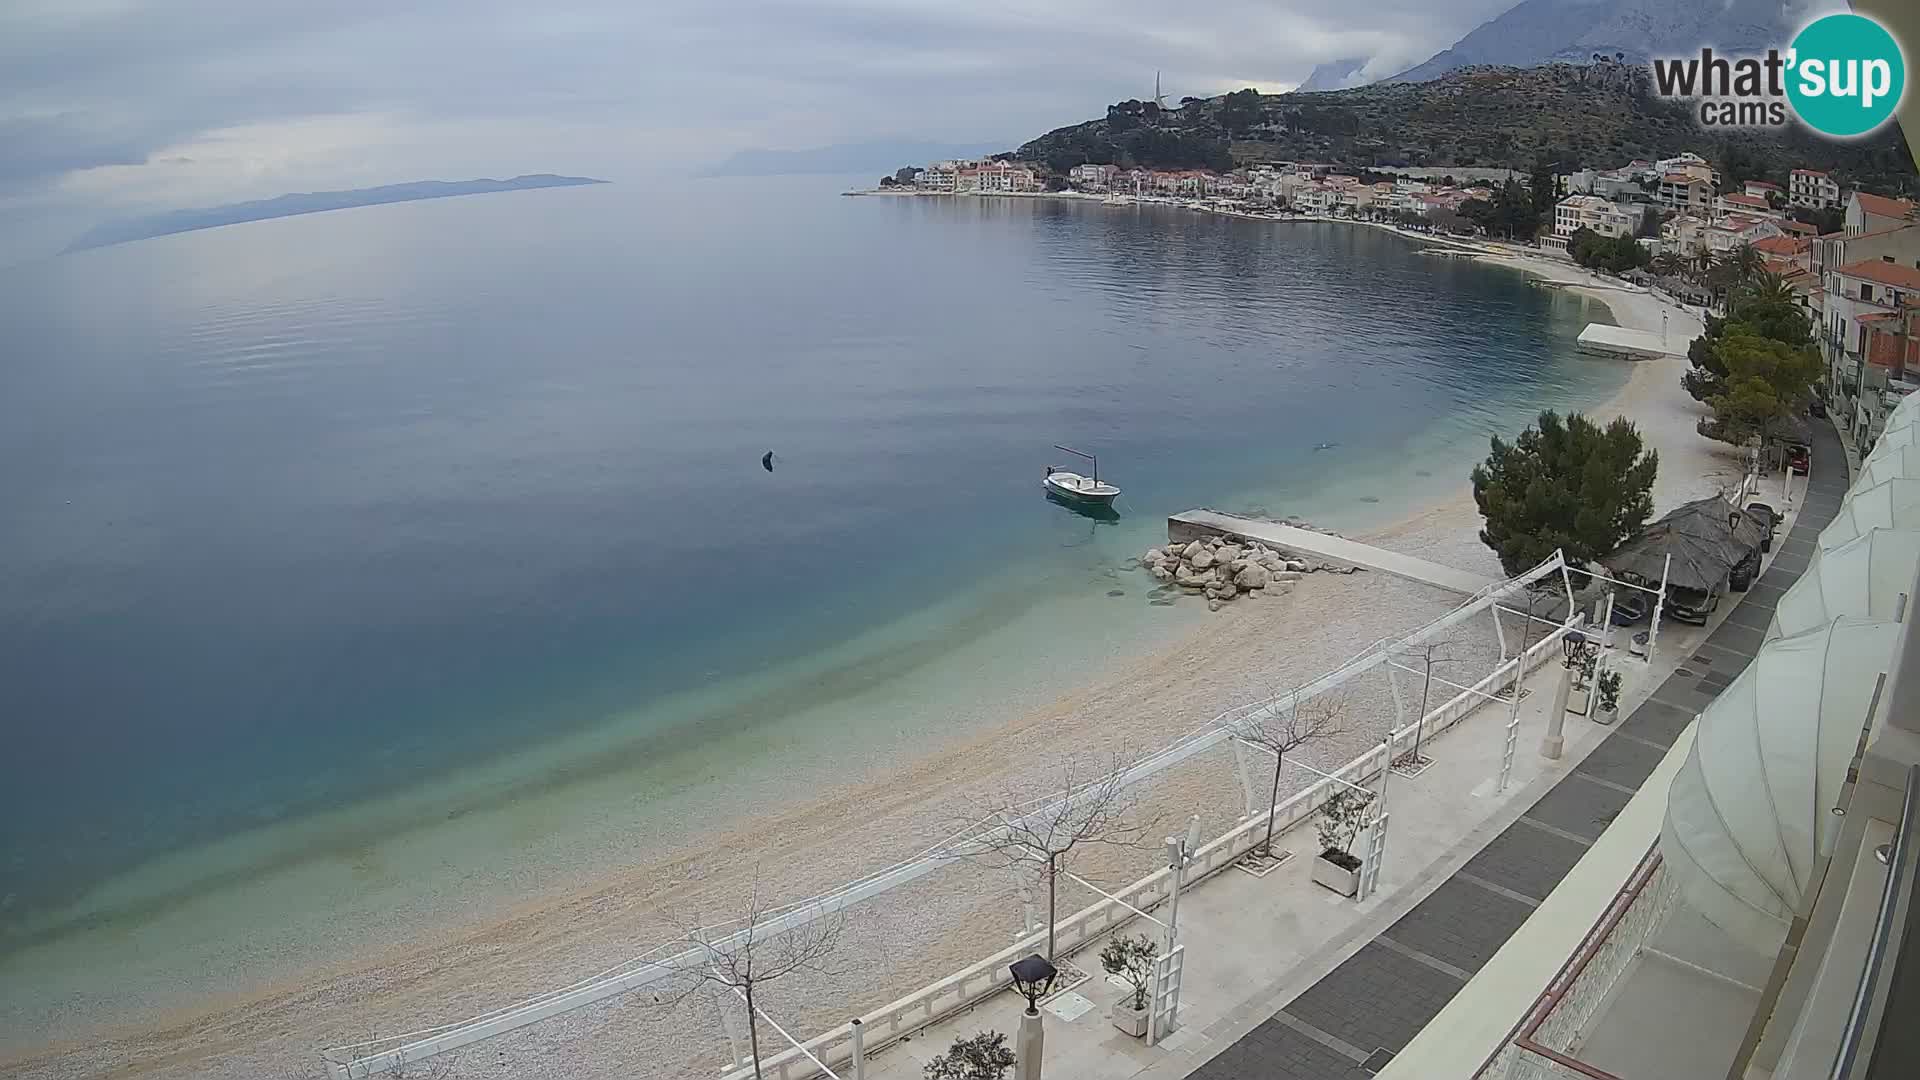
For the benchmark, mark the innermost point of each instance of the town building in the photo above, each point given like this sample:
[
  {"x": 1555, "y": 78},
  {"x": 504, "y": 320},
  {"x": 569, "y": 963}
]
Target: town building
[
  {"x": 1576, "y": 212},
  {"x": 1882, "y": 276},
  {"x": 1685, "y": 192},
  {"x": 1750, "y": 205},
  {"x": 1870, "y": 213},
  {"x": 1811, "y": 187},
  {"x": 1093, "y": 177}
]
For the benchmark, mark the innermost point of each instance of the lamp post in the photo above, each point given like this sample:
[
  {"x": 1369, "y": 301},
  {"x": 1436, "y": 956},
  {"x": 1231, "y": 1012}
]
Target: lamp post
[
  {"x": 1576, "y": 648},
  {"x": 1032, "y": 977}
]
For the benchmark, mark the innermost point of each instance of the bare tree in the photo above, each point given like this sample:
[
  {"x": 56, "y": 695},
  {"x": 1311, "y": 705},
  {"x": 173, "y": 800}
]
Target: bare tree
[
  {"x": 1088, "y": 808},
  {"x": 1431, "y": 653},
  {"x": 1281, "y": 729},
  {"x": 741, "y": 956}
]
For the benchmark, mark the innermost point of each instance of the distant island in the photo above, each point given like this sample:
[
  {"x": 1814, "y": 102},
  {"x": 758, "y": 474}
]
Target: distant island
[{"x": 313, "y": 202}]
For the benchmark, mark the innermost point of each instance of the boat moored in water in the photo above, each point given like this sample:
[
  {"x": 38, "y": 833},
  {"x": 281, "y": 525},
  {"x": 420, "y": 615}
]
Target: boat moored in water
[{"x": 1074, "y": 487}]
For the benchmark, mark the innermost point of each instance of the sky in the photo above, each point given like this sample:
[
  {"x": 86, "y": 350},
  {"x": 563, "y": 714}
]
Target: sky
[{"x": 116, "y": 106}]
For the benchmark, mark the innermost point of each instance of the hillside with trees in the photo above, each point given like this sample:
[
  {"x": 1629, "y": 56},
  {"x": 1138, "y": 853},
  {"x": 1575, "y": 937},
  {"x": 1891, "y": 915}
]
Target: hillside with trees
[{"x": 1568, "y": 115}]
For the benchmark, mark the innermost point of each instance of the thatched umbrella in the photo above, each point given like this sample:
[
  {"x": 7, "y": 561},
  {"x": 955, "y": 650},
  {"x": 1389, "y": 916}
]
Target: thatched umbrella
[{"x": 1706, "y": 538}]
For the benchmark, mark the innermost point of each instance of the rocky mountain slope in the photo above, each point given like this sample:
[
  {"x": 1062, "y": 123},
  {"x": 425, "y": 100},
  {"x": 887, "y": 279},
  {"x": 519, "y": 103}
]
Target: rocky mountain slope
[
  {"x": 1574, "y": 115},
  {"x": 1545, "y": 31}
]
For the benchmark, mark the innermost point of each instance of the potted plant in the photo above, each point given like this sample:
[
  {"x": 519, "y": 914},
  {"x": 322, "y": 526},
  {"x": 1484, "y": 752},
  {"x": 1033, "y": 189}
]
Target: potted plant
[
  {"x": 984, "y": 1056},
  {"x": 1341, "y": 817},
  {"x": 1609, "y": 684},
  {"x": 1131, "y": 959},
  {"x": 1580, "y": 697}
]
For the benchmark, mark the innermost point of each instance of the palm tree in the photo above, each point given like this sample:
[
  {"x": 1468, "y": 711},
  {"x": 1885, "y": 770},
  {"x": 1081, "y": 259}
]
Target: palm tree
[
  {"x": 1746, "y": 262},
  {"x": 1703, "y": 264},
  {"x": 1767, "y": 287},
  {"x": 1667, "y": 264}
]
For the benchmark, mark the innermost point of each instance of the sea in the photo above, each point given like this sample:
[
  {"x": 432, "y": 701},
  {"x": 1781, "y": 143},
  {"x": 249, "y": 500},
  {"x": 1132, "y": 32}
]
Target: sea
[{"x": 356, "y": 560}]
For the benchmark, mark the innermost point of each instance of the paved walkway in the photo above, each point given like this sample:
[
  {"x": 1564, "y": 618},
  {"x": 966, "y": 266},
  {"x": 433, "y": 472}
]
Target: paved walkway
[
  {"x": 1318, "y": 545},
  {"x": 1350, "y": 1023}
]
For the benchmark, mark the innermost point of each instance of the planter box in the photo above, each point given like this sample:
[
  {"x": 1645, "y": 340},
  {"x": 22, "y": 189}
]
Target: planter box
[
  {"x": 1605, "y": 716},
  {"x": 1130, "y": 1020},
  {"x": 1343, "y": 881}
]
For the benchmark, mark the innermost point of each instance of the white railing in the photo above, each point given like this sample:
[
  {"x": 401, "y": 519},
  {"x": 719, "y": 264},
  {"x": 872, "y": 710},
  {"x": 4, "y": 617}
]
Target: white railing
[
  {"x": 1542, "y": 1045},
  {"x": 939, "y": 1000},
  {"x": 362, "y": 1060}
]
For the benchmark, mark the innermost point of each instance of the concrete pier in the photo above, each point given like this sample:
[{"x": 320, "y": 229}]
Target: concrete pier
[{"x": 1320, "y": 547}]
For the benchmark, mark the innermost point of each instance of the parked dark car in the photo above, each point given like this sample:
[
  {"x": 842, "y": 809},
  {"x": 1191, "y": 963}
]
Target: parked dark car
[
  {"x": 1799, "y": 459},
  {"x": 1768, "y": 516},
  {"x": 1816, "y": 408},
  {"x": 1740, "y": 578},
  {"x": 1691, "y": 605},
  {"x": 1630, "y": 606}
]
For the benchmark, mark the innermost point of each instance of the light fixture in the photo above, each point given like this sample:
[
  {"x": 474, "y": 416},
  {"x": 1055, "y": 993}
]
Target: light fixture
[
  {"x": 1575, "y": 645},
  {"x": 1033, "y": 977}
]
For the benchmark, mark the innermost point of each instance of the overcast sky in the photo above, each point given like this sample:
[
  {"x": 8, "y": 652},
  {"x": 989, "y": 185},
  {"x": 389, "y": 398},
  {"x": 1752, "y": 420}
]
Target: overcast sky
[{"x": 111, "y": 105}]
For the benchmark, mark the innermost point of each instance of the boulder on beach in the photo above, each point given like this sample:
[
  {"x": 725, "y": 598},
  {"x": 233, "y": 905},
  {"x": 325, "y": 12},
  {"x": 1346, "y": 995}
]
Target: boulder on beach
[
  {"x": 1296, "y": 566},
  {"x": 1215, "y": 605},
  {"x": 1202, "y": 559},
  {"x": 1160, "y": 572},
  {"x": 1191, "y": 550},
  {"x": 1251, "y": 577}
]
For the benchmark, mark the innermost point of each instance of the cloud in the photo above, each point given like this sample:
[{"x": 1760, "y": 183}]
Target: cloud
[{"x": 131, "y": 102}]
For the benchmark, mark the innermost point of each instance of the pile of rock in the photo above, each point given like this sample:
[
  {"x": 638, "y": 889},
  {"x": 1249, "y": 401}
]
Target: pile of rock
[{"x": 1222, "y": 568}]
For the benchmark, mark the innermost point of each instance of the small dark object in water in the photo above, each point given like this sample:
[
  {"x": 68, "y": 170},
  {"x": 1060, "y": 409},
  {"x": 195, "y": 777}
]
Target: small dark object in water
[
  {"x": 1325, "y": 446},
  {"x": 1422, "y": 472},
  {"x": 1116, "y": 592},
  {"x": 1369, "y": 498},
  {"x": 766, "y": 461}
]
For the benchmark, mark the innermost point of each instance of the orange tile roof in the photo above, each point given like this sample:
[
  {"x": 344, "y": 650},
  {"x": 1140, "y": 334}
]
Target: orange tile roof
[
  {"x": 1885, "y": 273},
  {"x": 1808, "y": 172},
  {"x": 1793, "y": 226},
  {"x": 1780, "y": 245},
  {"x": 1754, "y": 201},
  {"x": 1881, "y": 206}
]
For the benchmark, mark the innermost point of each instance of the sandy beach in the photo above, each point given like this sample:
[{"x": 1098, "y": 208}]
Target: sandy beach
[{"x": 811, "y": 841}]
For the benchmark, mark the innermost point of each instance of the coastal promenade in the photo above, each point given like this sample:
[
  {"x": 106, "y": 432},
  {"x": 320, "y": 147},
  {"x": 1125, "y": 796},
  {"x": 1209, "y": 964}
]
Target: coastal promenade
[
  {"x": 1327, "y": 547},
  {"x": 1350, "y": 1023},
  {"x": 1287, "y": 981}
]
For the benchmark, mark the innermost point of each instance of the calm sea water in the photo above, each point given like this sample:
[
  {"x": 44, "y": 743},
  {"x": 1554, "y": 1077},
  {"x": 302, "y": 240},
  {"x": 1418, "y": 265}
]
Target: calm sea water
[{"x": 308, "y": 513}]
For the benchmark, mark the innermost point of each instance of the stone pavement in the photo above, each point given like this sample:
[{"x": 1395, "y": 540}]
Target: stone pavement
[{"x": 1351, "y": 1022}]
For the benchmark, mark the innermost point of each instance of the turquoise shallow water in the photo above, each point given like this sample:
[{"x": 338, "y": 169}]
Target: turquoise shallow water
[{"x": 335, "y": 528}]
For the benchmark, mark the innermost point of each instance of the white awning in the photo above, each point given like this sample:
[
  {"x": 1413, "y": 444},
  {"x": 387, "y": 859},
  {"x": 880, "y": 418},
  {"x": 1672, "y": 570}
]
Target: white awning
[
  {"x": 1747, "y": 813},
  {"x": 1891, "y": 504},
  {"x": 1895, "y": 438},
  {"x": 1887, "y": 463},
  {"x": 1865, "y": 577}
]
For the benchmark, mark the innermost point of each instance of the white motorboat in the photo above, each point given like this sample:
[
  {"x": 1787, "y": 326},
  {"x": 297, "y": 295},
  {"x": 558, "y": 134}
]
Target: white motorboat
[{"x": 1074, "y": 487}]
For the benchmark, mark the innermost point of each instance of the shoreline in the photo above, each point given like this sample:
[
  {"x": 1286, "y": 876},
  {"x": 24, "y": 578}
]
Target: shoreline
[{"x": 545, "y": 939}]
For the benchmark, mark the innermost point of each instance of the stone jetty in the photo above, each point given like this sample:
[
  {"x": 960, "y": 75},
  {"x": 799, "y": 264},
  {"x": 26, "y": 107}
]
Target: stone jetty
[{"x": 1223, "y": 568}]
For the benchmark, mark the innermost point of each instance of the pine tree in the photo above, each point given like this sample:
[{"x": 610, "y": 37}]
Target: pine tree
[{"x": 1566, "y": 484}]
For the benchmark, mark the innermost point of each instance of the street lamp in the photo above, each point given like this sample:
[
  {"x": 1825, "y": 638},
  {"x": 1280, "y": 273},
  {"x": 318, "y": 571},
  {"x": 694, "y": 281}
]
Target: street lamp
[{"x": 1032, "y": 977}]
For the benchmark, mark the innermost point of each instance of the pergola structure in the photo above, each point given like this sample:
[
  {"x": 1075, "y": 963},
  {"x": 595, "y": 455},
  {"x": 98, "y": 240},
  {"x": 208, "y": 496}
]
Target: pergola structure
[{"x": 359, "y": 1061}]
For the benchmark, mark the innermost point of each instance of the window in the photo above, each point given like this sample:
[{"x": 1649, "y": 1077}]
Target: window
[{"x": 1866, "y": 291}]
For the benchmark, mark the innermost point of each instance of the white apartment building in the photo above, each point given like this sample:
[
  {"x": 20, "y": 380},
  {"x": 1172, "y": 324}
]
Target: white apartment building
[
  {"x": 1811, "y": 187},
  {"x": 1576, "y": 212},
  {"x": 1686, "y": 192}
]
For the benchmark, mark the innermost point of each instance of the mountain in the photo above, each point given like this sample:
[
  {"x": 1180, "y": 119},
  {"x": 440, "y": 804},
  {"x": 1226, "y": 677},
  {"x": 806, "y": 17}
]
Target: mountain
[
  {"x": 1574, "y": 115},
  {"x": 312, "y": 202},
  {"x": 1548, "y": 31},
  {"x": 1334, "y": 75},
  {"x": 873, "y": 156}
]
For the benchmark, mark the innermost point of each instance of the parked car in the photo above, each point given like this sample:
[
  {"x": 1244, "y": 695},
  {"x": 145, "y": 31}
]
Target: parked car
[
  {"x": 1630, "y": 606},
  {"x": 1817, "y": 408},
  {"x": 1691, "y": 605},
  {"x": 1799, "y": 459},
  {"x": 1740, "y": 578},
  {"x": 1768, "y": 516}
]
